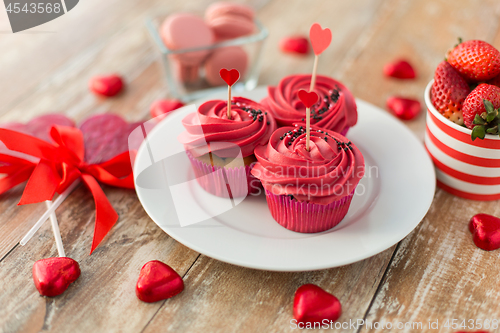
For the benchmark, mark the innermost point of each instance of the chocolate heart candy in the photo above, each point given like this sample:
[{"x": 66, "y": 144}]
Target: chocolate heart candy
[{"x": 52, "y": 276}]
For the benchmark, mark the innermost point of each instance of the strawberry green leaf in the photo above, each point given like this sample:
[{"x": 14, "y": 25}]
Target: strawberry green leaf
[
  {"x": 490, "y": 109},
  {"x": 478, "y": 132},
  {"x": 492, "y": 130},
  {"x": 491, "y": 117},
  {"x": 478, "y": 120}
]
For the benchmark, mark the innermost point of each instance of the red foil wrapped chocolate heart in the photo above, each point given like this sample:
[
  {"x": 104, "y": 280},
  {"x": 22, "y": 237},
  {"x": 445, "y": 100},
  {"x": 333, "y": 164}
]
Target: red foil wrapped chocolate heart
[
  {"x": 295, "y": 44},
  {"x": 52, "y": 276},
  {"x": 160, "y": 108},
  {"x": 106, "y": 85},
  {"x": 400, "y": 69},
  {"x": 485, "y": 231},
  {"x": 158, "y": 281},
  {"x": 404, "y": 108},
  {"x": 312, "y": 305}
]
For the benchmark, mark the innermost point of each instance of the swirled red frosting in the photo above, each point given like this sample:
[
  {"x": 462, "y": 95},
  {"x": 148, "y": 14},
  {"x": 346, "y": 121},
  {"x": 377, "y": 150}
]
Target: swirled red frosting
[
  {"x": 336, "y": 109},
  {"x": 250, "y": 126},
  {"x": 329, "y": 171}
]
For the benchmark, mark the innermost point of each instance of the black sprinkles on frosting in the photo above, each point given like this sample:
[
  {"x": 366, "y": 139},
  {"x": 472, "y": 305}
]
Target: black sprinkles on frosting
[
  {"x": 329, "y": 100},
  {"x": 293, "y": 135},
  {"x": 257, "y": 115}
]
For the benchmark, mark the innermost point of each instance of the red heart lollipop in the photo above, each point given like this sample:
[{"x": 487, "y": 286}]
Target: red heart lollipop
[
  {"x": 230, "y": 77},
  {"x": 320, "y": 38},
  {"x": 312, "y": 304},
  {"x": 485, "y": 231},
  {"x": 308, "y": 98},
  {"x": 53, "y": 276},
  {"x": 158, "y": 281}
]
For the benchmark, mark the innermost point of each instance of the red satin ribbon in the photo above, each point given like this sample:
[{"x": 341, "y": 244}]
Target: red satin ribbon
[{"x": 59, "y": 166}]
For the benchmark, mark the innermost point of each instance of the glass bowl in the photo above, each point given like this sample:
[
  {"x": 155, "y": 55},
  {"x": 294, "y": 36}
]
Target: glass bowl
[{"x": 192, "y": 89}]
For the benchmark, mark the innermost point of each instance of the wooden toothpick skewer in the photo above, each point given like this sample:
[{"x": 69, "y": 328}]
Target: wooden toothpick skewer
[
  {"x": 56, "y": 231},
  {"x": 228, "y": 102},
  {"x": 313, "y": 76},
  {"x": 308, "y": 127}
]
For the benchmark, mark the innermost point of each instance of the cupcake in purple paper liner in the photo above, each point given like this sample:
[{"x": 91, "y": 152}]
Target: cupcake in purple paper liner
[
  {"x": 336, "y": 109},
  {"x": 221, "y": 149},
  {"x": 308, "y": 191}
]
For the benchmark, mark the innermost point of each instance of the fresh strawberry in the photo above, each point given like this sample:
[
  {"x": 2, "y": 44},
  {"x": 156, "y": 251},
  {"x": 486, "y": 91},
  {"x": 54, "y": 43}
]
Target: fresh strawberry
[
  {"x": 295, "y": 44},
  {"x": 481, "y": 110},
  {"x": 495, "y": 81},
  {"x": 475, "y": 60},
  {"x": 449, "y": 92},
  {"x": 400, "y": 69}
]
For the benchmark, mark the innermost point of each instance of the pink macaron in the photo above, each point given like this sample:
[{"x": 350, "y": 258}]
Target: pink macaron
[
  {"x": 227, "y": 57},
  {"x": 185, "y": 73},
  {"x": 230, "y": 20},
  {"x": 185, "y": 31}
]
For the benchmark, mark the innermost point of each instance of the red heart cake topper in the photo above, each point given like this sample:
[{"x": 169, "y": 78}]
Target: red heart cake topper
[
  {"x": 229, "y": 76},
  {"x": 320, "y": 38},
  {"x": 308, "y": 98}
]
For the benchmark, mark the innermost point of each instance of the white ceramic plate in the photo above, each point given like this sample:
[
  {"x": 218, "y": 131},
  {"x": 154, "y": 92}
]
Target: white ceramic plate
[{"x": 398, "y": 190}]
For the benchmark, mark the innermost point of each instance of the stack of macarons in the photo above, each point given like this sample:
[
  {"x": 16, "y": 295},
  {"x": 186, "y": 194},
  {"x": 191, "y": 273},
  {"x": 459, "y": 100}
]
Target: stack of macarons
[{"x": 223, "y": 21}]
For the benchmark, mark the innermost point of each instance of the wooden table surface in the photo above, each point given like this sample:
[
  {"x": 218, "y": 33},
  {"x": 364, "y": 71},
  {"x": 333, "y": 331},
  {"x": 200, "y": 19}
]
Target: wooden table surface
[{"x": 434, "y": 274}]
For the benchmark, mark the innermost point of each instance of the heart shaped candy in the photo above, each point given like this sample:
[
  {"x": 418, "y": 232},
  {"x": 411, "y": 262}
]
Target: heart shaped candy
[
  {"x": 295, "y": 44},
  {"x": 106, "y": 85},
  {"x": 400, "y": 69},
  {"x": 52, "y": 276},
  {"x": 160, "y": 108},
  {"x": 404, "y": 108},
  {"x": 229, "y": 76},
  {"x": 485, "y": 231},
  {"x": 312, "y": 304},
  {"x": 308, "y": 98},
  {"x": 158, "y": 281},
  {"x": 320, "y": 38}
]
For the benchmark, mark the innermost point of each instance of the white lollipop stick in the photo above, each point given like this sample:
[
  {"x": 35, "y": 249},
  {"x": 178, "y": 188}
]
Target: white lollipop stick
[
  {"x": 56, "y": 231},
  {"x": 48, "y": 212}
]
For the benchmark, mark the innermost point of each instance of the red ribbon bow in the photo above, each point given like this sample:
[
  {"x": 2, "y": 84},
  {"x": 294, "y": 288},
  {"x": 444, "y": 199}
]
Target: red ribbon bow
[{"x": 59, "y": 166}]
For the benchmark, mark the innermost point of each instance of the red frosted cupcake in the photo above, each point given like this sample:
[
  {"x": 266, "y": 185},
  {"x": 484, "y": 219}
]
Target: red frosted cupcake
[
  {"x": 221, "y": 149},
  {"x": 336, "y": 109},
  {"x": 308, "y": 191}
]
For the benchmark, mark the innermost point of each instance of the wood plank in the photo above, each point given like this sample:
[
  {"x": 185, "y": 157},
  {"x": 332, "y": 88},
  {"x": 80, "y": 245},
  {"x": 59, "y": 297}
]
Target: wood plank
[
  {"x": 421, "y": 31},
  {"x": 220, "y": 297},
  {"x": 66, "y": 91},
  {"x": 225, "y": 298},
  {"x": 437, "y": 273},
  {"x": 105, "y": 292}
]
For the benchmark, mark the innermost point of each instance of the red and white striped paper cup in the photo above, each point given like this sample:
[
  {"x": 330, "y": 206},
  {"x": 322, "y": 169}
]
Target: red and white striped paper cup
[{"x": 465, "y": 168}]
